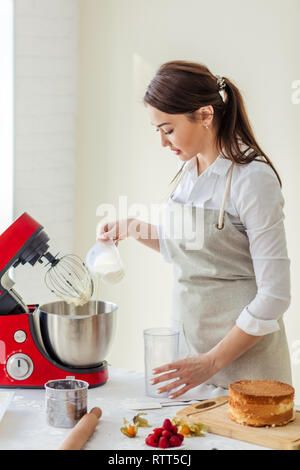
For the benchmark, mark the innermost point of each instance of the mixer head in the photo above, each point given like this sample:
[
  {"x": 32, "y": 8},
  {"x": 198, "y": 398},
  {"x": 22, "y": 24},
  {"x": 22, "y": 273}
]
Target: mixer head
[
  {"x": 26, "y": 242},
  {"x": 23, "y": 242},
  {"x": 69, "y": 278}
]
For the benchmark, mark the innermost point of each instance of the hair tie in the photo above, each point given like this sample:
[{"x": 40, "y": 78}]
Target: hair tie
[{"x": 222, "y": 85}]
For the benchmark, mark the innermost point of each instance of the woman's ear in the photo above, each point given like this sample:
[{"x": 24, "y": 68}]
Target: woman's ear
[{"x": 206, "y": 115}]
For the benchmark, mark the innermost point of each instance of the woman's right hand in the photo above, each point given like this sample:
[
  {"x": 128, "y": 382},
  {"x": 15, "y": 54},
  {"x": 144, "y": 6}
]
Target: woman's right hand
[{"x": 116, "y": 230}]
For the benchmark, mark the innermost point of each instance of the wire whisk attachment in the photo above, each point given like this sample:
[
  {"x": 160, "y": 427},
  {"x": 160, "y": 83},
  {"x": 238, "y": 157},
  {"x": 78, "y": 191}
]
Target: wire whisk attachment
[{"x": 69, "y": 278}]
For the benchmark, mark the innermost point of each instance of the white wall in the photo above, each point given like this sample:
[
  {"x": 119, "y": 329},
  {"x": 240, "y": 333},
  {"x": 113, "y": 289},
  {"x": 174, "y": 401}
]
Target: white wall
[
  {"x": 6, "y": 112},
  {"x": 121, "y": 44},
  {"x": 45, "y": 123}
]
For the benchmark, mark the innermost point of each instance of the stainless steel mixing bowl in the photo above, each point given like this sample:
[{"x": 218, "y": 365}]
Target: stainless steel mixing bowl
[{"x": 77, "y": 336}]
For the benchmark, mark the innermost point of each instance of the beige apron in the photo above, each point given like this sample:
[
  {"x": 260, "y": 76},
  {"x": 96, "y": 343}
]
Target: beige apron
[{"x": 214, "y": 281}]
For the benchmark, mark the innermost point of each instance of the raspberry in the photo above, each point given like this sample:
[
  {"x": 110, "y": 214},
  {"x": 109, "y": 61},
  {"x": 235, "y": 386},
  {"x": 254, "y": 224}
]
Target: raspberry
[
  {"x": 180, "y": 436},
  {"x": 167, "y": 434},
  {"x": 168, "y": 425},
  {"x": 175, "y": 441},
  {"x": 158, "y": 431},
  {"x": 163, "y": 443},
  {"x": 174, "y": 429},
  {"x": 151, "y": 440}
]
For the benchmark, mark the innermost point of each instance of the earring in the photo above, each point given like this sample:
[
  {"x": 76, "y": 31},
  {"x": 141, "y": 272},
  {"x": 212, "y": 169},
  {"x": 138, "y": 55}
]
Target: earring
[{"x": 206, "y": 126}]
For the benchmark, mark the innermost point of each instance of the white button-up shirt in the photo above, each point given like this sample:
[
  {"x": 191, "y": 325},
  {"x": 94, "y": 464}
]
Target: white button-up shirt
[{"x": 255, "y": 204}]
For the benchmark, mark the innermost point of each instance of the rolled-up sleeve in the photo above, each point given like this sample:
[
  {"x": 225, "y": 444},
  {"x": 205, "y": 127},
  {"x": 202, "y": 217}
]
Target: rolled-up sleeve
[{"x": 259, "y": 202}]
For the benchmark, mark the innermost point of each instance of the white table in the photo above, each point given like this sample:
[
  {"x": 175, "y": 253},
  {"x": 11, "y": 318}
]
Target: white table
[{"x": 24, "y": 425}]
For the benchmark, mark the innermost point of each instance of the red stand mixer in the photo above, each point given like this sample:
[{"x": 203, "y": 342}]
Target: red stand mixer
[{"x": 29, "y": 356}]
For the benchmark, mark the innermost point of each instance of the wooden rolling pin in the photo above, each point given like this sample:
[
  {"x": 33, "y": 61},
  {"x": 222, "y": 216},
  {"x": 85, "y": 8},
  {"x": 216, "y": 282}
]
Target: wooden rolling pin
[{"x": 82, "y": 431}]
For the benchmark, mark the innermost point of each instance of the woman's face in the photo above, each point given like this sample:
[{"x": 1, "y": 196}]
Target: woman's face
[{"x": 184, "y": 137}]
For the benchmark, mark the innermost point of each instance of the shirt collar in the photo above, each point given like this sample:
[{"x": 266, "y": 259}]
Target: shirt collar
[{"x": 220, "y": 166}]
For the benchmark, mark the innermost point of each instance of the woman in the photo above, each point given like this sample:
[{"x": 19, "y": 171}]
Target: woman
[{"x": 232, "y": 289}]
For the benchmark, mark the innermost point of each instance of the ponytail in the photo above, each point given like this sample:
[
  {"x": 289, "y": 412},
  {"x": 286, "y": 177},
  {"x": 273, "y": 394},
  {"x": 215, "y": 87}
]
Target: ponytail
[
  {"x": 182, "y": 87},
  {"x": 235, "y": 129}
]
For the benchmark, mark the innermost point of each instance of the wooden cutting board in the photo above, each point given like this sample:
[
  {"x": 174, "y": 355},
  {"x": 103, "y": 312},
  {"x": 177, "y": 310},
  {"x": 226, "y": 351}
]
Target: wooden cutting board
[{"x": 214, "y": 414}]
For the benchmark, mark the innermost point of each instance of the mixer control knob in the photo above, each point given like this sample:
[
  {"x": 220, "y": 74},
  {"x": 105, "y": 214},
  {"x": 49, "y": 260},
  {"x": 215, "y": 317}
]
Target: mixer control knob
[
  {"x": 19, "y": 366},
  {"x": 20, "y": 336}
]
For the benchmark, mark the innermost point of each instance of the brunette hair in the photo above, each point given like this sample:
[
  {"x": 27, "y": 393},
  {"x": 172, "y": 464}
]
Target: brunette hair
[{"x": 181, "y": 87}]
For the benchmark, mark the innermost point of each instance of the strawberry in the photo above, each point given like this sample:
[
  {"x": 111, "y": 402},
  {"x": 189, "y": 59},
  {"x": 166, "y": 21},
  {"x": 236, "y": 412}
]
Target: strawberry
[
  {"x": 163, "y": 443},
  {"x": 175, "y": 441},
  {"x": 168, "y": 425}
]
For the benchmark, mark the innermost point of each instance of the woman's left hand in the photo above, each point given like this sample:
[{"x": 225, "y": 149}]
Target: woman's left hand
[{"x": 188, "y": 373}]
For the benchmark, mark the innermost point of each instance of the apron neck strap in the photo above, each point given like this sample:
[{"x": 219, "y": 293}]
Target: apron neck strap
[{"x": 220, "y": 223}]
